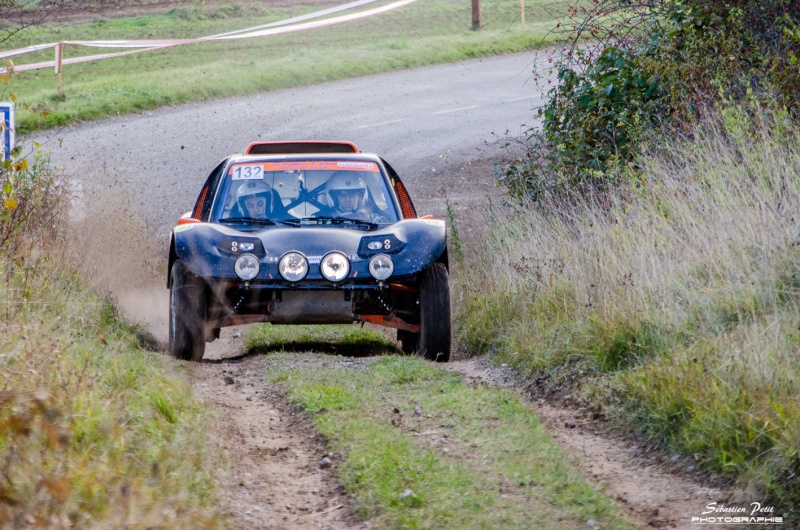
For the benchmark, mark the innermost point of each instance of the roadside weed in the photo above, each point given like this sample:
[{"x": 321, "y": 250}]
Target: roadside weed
[{"x": 454, "y": 242}]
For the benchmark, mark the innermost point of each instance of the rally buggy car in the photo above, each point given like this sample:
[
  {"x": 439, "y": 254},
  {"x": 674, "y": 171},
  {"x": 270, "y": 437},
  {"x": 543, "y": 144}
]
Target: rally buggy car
[{"x": 307, "y": 233}]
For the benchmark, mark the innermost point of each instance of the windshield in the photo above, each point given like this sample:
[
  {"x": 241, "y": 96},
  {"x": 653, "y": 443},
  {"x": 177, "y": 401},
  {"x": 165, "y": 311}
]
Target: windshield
[{"x": 266, "y": 192}]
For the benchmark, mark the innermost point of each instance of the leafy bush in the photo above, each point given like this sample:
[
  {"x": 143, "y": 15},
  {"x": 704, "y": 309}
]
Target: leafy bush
[
  {"x": 32, "y": 201},
  {"x": 592, "y": 122},
  {"x": 653, "y": 66}
]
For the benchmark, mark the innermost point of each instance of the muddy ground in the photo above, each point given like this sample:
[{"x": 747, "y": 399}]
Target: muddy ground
[{"x": 278, "y": 477}]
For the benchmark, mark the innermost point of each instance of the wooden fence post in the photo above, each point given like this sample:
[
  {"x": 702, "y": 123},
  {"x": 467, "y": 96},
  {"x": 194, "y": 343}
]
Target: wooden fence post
[
  {"x": 476, "y": 15},
  {"x": 59, "y": 56}
]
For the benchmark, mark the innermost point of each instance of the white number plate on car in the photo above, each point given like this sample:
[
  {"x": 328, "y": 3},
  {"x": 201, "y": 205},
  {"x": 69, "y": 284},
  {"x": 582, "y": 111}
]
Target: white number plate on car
[{"x": 247, "y": 172}]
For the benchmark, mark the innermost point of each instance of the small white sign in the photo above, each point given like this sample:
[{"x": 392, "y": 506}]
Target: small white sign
[
  {"x": 7, "y": 126},
  {"x": 247, "y": 172}
]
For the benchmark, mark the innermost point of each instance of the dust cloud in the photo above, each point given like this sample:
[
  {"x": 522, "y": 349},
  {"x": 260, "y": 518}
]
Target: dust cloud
[{"x": 119, "y": 255}]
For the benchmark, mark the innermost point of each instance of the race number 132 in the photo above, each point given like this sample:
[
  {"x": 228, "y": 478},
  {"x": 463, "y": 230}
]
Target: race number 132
[{"x": 248, "y": 172}]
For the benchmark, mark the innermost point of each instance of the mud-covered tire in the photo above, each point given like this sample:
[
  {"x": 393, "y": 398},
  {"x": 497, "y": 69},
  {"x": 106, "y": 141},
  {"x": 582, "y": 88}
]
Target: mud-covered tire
[
  {"x": 187, "y": 314},
  {"x": 434, "y": 313}
]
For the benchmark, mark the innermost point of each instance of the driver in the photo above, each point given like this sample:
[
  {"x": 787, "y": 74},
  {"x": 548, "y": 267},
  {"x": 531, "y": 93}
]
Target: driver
[
  {"x": 254, "y": 199},
  {"x": 347, "y": 194}
]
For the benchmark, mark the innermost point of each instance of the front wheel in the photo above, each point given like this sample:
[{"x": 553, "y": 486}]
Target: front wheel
[
  {"x": 187, "y": 314},
  {"x": 434, "y": 313}
]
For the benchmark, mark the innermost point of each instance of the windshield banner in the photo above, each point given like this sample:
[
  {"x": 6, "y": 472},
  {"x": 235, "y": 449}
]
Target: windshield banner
[{"x": 239, "y": 171}]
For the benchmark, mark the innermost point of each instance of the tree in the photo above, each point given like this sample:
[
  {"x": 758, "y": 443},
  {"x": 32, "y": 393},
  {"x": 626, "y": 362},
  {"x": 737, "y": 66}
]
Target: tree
[{"x": 17, "y": 16}]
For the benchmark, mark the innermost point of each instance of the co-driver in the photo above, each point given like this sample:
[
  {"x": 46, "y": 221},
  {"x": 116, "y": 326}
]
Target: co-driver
[{"x": 347, "y": 194}]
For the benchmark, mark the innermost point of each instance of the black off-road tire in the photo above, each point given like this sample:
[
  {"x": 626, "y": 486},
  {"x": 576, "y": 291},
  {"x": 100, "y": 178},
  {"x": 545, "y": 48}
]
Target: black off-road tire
[
  {"x": 434, "y": 309},
  {"x": 187, "y": 315}
]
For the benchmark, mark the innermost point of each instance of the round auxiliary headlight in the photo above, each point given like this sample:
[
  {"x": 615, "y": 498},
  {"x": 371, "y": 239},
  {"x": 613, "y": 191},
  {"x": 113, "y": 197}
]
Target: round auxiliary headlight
[
  {"x": 381, "y": 266},
  {"x": 293, "y": 266},
  {"x": 247, "y": 267},
  {"x": 335, "y": 266}
]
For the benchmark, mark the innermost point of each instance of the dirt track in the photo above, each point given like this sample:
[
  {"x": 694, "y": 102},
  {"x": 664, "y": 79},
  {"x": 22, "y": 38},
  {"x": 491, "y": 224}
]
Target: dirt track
[{"x": 276, "y": 479}]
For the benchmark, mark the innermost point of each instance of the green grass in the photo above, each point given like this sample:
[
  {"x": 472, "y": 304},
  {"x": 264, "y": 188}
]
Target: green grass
[
  {"x": 347, "y": 339},
  {"x": 95, "y": 431},
  {"x": 426, "y": 32},
  {"x": 421, "y": 449},
  {"x": 676, "y": 308}
]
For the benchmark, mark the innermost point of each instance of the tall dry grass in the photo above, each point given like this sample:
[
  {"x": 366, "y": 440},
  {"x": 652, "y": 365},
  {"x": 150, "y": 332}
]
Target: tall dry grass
[
  {"x": 97, "y": 430},
  {"x": 679, "y": 302}
]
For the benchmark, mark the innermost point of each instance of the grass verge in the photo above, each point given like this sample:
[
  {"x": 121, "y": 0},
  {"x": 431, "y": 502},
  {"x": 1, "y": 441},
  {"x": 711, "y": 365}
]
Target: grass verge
[
  {"x": 426, "y": 32},
  {"x": 421, "y": 449},
  {"x": 95, "y": 429},
  {"x": 676, "y": 309}
]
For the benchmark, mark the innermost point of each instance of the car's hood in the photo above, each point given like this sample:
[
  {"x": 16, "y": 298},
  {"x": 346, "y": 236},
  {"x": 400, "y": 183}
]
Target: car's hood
[{"x": 209, "y": 249}]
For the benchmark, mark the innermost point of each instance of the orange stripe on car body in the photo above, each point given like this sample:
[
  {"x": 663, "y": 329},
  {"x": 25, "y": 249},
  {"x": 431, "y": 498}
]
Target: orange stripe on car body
[
  {"x": 407, "y": 207},
  {"x": 198, "y": 210}
]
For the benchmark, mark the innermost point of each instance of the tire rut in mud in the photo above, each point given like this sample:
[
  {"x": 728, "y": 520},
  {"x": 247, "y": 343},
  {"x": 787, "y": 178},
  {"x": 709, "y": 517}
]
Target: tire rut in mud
[
  {"x": 650, "y": 495},
  {"x": 275, "y": 478}
]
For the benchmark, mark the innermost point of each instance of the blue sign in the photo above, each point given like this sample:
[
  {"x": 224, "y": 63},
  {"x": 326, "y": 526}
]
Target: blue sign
[{"x": 7, "y": 126}]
